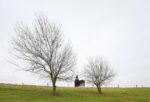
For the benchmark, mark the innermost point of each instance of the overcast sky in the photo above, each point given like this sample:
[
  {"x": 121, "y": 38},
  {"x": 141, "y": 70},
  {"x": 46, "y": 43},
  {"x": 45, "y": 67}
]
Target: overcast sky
[{"x": 117, "y": 30}]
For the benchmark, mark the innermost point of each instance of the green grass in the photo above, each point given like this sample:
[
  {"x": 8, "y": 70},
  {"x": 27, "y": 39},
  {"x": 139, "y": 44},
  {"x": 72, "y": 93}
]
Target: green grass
[{"x": 18, "y": 93}]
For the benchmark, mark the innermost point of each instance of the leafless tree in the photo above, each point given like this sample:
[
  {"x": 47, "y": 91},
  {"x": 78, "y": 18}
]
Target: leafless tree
[
  {"x": 44, "y": 50},
  {"x": 98, "y": 72}
]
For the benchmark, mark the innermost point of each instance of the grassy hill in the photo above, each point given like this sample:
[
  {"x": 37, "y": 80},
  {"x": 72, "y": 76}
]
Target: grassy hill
[{"x": 26, "y": 93}]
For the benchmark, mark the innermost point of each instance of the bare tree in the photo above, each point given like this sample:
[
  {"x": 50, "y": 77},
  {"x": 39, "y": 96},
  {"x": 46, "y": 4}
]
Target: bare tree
[
  {"x": 97, "y": 72},
  {"x": 44, "y": 50}
]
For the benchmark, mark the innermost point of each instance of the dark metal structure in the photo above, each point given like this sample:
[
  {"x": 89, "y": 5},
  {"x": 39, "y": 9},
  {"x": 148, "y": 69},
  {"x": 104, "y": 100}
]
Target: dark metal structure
[{"x": 78, "y": 82}]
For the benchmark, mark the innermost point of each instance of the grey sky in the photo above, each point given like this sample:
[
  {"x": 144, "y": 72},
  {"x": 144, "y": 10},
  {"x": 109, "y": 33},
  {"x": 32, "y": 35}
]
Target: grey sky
[{"x": 118, "y": 30}]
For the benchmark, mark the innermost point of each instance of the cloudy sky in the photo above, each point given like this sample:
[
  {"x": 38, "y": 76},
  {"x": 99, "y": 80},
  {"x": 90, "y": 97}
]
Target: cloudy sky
[{"x": 117, "y": 30}]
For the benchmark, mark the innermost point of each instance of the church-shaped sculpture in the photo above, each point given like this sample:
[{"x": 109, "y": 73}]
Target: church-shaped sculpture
[{"x": 78, "y": 82}]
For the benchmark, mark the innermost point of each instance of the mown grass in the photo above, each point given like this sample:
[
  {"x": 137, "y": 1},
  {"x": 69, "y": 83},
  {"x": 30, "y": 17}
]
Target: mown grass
[{"x": 26, "y": 93}]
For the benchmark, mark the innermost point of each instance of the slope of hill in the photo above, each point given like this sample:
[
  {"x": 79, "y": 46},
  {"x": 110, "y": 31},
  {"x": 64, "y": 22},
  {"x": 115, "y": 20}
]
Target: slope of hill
[{"x": 27, "y": 93}]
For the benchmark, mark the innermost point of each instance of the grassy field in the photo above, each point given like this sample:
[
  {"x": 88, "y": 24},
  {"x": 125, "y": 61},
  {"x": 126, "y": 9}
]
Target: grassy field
[{"x": 18, "y": 93}]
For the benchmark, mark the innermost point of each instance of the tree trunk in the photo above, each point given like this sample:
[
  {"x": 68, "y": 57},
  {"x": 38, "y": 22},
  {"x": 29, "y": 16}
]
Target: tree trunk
[
  {"x": 99, "y": 90},
  {"x": 54, "y": 89}
]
